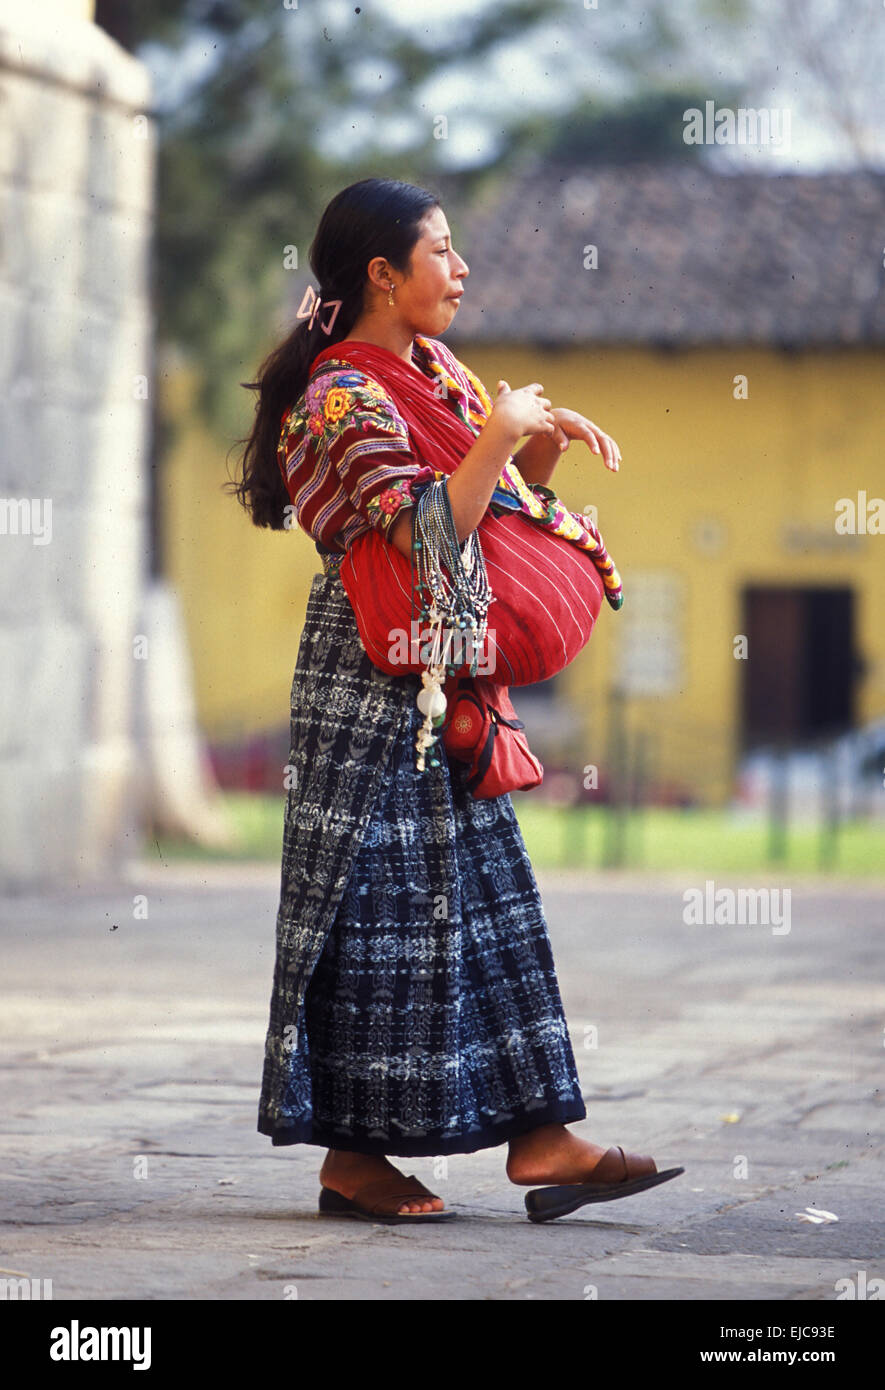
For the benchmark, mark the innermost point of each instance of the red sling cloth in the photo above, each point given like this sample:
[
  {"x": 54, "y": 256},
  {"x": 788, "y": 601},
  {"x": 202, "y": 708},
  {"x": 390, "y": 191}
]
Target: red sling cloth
[{"x": 547, "y": 591}]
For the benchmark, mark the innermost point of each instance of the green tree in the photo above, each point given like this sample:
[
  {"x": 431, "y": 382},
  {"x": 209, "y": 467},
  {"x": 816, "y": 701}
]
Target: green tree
[{"x": 264, "y": 112}]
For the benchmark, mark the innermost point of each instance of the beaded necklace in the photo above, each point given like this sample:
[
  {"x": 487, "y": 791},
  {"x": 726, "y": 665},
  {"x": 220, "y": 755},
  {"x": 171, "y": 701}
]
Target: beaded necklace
[{"x": 459, "y": 602}]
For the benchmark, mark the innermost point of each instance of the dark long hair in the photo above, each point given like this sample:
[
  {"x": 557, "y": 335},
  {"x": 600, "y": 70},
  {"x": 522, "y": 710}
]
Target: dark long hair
[{"x": 375, "y": 217}]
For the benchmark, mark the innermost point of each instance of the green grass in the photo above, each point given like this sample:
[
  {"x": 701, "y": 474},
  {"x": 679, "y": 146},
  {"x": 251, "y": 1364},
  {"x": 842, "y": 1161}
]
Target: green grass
[
  {"x": 256, "y": 822},
  {"x": 564, "y": 837},
  {"x": 696, "y": 840}
]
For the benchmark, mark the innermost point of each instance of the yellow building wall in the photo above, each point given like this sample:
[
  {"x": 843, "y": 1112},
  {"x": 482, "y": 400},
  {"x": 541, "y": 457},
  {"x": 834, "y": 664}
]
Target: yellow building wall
[
  {"x": 694, "y": 458},
  {"x": 243, "y": 588},
  {"x": 808, "y": 433}
]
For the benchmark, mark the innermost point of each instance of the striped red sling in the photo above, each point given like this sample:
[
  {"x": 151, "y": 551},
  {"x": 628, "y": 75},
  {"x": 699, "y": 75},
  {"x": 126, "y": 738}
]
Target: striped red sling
[{"x": 548, "y": 585}]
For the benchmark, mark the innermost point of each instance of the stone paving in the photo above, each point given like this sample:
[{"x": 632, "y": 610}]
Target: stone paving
[{"x": 131, "y": 1166}]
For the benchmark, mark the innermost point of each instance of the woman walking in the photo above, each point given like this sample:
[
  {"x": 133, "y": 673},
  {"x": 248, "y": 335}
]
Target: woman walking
[{"x": 415, "y": 1008}]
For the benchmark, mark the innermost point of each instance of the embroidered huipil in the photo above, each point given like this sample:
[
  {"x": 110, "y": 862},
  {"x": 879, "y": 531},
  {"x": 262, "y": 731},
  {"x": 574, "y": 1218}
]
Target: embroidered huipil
[{"x": 345, "y": 452}]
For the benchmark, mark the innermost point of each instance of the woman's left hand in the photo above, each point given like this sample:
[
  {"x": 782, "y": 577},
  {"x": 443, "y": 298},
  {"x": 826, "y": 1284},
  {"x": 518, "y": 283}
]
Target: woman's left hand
[{"x": 570, "y": 425}]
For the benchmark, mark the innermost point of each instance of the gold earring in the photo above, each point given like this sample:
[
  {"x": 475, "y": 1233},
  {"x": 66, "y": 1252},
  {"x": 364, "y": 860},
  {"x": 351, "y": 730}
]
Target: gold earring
[{"x": 390, "y": 296}]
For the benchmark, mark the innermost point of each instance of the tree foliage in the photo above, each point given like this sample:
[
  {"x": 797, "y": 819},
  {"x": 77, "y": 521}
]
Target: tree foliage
[{"x": 264, "y": 112}]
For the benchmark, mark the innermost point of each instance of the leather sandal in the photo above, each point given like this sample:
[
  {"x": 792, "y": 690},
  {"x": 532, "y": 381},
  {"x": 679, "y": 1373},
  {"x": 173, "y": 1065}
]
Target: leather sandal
[
  {"x": 617, "y": 1174},
  {"x": 381, "y": 1200}
]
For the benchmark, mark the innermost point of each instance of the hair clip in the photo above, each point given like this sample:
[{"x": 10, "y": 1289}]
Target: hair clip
[{"x": 311, "y": 302}]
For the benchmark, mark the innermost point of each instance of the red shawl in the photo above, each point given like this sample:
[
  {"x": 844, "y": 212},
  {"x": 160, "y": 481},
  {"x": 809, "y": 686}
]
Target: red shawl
[
  {"x": 441, "y": 439},
  {"x": 547, "y": 593}
]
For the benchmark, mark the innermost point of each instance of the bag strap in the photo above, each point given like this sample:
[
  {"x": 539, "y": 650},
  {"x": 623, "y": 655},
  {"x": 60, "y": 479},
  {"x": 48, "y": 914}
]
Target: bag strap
[
  {"x": 499, "y": 719},
  {"x": 485, "y": 757}
]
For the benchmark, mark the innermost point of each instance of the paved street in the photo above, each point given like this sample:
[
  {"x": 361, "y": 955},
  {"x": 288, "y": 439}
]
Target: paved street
[{"x": 131, "y": 1166}]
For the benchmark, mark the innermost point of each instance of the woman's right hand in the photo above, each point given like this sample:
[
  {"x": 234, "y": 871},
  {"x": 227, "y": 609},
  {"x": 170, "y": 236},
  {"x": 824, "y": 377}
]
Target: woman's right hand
[{"x": 524, "y": 411}]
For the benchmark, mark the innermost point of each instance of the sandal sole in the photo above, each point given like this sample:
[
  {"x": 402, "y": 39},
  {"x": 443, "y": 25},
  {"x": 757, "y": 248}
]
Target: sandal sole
[
  {"x": 546, "y": 1203},
  {"x": 334, "y": 1204}
]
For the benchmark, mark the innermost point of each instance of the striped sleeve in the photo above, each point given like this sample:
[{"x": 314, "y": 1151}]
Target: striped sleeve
[{"x": 354, "y": 422}]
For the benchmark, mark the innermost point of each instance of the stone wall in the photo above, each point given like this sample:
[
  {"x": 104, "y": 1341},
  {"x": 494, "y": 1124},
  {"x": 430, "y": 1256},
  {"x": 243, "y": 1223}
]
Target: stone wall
[{"x": 76, "y": 189}]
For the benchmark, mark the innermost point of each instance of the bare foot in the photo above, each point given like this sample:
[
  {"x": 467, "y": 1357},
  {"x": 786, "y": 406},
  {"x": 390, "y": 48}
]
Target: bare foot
[
  {"x": 347, "y": 1172},
  {"x": 550, "y": 1154}
]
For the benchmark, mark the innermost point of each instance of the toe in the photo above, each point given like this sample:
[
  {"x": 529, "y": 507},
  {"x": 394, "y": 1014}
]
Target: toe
[{"x": 417, "y": 1206}]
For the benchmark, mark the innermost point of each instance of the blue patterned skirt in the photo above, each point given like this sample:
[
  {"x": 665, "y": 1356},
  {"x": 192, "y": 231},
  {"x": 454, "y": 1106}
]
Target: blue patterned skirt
[{"x": 415, "y": 1007}]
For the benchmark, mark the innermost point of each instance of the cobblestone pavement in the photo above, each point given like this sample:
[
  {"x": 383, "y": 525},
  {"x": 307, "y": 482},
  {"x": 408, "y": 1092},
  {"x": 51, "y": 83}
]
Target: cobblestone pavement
[{"x": 132, "y": 1168}]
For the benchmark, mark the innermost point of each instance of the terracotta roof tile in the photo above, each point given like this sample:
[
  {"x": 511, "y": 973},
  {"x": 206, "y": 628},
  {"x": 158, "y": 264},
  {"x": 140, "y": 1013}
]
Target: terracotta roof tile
[{"x": 685, "y": 256}]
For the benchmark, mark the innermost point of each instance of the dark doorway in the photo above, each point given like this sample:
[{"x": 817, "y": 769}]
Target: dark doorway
[{"x": 799, "y": 677}]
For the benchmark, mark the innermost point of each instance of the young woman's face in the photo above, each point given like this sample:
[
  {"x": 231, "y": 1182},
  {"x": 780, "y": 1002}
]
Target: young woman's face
[{"x": 427, "y": 298}]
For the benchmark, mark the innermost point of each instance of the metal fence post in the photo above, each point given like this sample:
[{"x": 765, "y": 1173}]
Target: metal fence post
[{"x": 777, "y": 822}]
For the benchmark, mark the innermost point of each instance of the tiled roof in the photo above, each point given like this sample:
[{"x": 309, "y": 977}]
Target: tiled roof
[{"x": 685, "y": 256}]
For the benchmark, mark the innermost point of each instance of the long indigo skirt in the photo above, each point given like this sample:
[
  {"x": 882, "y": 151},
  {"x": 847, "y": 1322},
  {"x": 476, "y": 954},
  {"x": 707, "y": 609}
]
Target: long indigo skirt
[{"x": 415, "y": 1007}]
